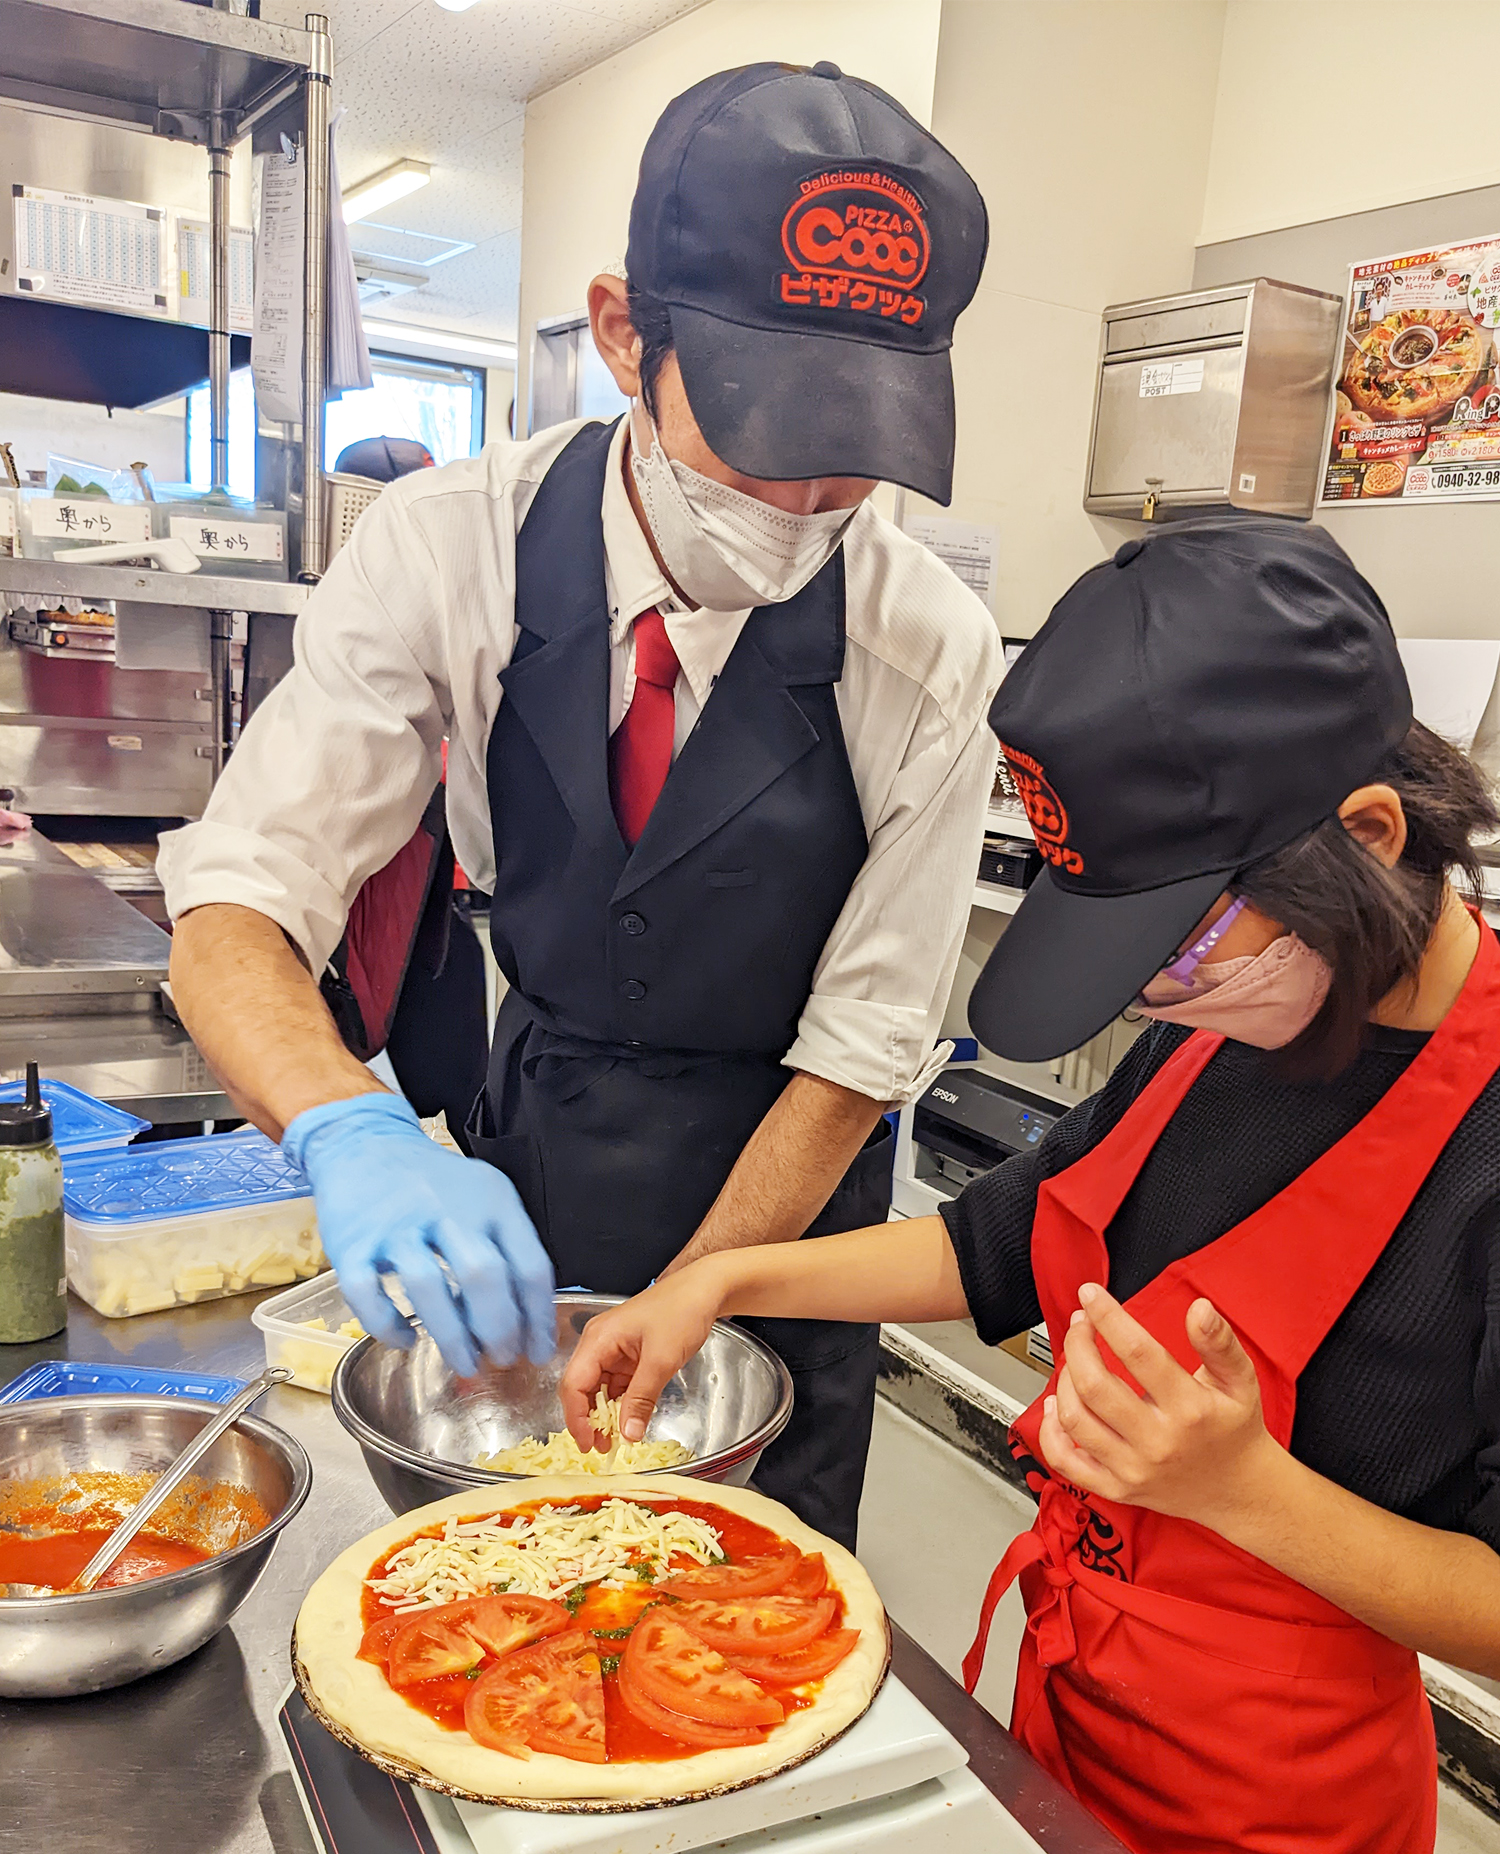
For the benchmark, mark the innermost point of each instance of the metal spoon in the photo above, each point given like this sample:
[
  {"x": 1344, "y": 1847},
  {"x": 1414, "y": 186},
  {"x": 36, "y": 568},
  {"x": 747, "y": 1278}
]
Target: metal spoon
[{"x": 173, "y": 1477}]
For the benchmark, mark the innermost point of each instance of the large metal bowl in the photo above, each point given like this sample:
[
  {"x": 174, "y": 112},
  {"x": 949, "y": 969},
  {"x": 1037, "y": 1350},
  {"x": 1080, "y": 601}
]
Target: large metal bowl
[
  {"x": 56, "y": 1646},
  {"x": 420, "y": 1427}
]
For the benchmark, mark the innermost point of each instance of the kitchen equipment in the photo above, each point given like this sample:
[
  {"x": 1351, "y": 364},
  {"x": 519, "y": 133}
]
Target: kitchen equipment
[
  {"x": 896, "y": 1780},
  {"x": 420, "y": 1428},
  {"x": 187, "y": 1220},
  {"x": 33, "y": 1286},
  {"x": 172, "y": 1478},
  {"x": 72, "y": 1377},
  {"x": 968, "y": 1122},
  {"x": 310, "y": 1353},
  {"x": 80, "y": 1124},
  {"x": 348, "y": 498},
  {"x": 1009, "y": 862},
  {"x": 1213, "y": 399},
  {"x": 53, "y": 1647}
]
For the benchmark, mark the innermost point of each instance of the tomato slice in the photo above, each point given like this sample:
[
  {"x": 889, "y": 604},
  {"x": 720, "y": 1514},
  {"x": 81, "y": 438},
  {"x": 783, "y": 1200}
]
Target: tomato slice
[
  {"x": 758, "y": 1625},
  {"x": 810, "y": 1579},
  {"x": 756, "y": 1576},
  {"x": 502, "y": 1623},
  {"x": 810, "y": 1663},
  {"x": 677, "y": 1725},
  {"x": 548, "y": 1697},
  {"x": 433, "y": 1643},
  {"x": 375, "y": 1643},
  {"x": 672, "y": 1666}
]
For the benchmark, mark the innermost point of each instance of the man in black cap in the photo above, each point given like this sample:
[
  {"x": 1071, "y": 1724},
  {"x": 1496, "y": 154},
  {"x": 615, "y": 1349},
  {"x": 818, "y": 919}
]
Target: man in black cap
[{"x": 716, "y": 742}]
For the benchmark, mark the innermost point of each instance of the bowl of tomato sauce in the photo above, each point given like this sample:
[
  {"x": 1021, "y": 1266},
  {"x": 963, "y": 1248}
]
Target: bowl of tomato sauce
[{"x": 70, "y": 1469}]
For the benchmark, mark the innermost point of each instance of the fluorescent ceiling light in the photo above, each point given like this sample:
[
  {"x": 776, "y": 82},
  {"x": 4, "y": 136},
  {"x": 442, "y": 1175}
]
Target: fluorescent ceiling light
[
  {"x": 445, "y": 343},
  {"x": 380, "y": 190},
  {"x": 456, "y": 6}
]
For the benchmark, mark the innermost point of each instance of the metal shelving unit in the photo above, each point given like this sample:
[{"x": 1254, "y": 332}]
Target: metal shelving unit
[{"x": 193, "y": 74}]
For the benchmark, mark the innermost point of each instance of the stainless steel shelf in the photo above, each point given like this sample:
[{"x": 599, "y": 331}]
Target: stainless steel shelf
[
  {"x": 64, "y": 579},
  {"x": 155, "y": 65}
]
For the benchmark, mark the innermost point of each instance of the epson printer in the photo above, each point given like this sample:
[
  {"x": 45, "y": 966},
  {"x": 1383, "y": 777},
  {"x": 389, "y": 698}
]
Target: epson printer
[{"x": 969, "y": 1122}]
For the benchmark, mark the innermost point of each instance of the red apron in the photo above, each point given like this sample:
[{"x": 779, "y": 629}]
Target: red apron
[{"x": 1195, "y": 1699}]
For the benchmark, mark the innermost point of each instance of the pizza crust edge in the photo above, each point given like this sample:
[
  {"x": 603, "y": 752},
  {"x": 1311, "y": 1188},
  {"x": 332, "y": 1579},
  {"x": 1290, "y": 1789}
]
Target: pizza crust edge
[{"x": 357, "y": 1696}]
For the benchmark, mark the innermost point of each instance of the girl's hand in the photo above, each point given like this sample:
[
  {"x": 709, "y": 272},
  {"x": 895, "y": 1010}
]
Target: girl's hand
[
  {"x": 634, "y": 1349},
  {"x": 1194, "y": 1446}
]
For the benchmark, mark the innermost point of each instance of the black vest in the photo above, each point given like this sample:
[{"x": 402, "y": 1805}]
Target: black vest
[
  {"x": 705, "y": 936},
  {"x": 654, "y": 990}
]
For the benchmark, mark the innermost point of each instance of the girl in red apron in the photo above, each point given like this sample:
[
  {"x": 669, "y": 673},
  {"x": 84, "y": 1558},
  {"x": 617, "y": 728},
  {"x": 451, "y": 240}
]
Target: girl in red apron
[{"x": 1267, "y": 1253}]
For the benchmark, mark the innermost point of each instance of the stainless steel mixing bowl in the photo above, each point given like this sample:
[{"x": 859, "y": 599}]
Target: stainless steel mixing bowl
[
  {"x": 420, "y": 1428},
  {"x": 56, "y": 1646}
]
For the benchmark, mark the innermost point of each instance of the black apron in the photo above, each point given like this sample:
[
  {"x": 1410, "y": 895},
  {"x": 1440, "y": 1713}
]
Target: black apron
[{"x": 654, "y": 991}]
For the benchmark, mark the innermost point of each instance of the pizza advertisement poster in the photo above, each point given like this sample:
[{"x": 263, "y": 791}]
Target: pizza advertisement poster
[{"x": 1416, "y": 414}]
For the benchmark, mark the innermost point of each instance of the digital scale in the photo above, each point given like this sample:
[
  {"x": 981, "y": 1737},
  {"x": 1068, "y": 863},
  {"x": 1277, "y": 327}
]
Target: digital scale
[{"x": 897, "y": 1780}]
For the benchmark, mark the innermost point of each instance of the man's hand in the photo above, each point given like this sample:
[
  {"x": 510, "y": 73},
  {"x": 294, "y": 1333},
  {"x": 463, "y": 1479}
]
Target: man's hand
[
  {"x": 452, "y": 1230},
  {"x": 1194, "y": 1446},
  {"x": 635, "y": 1349}
]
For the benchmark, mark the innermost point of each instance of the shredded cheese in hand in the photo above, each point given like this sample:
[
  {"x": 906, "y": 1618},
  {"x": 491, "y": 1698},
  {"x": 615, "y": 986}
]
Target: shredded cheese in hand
[
  {"x": 547, "y": 1553},
  {"x": 560, "y": 1454}
]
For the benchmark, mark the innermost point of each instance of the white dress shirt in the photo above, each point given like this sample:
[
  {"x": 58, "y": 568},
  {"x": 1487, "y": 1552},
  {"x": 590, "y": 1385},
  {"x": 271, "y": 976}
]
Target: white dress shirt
[{"x": 402, "y": 644}]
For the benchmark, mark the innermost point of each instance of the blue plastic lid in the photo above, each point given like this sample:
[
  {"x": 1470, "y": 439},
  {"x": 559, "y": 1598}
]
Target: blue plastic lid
[
  {"x": 180, "y": 1178},
  {"x": 79, "y": 1122},
  {"x": 67, "y": 1377}
]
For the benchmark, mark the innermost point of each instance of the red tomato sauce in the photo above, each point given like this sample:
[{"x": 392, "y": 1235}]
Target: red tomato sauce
[
  {"x": 56, "y": 1559},
  {"x": 629, "y": 1741}
]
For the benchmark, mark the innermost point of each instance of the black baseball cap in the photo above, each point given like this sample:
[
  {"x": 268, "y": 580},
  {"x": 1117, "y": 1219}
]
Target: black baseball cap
[
  {"x": 384, "y": 459},
  {"x": 814, "y": 245},
  {"x": 1193, "y": 704}
]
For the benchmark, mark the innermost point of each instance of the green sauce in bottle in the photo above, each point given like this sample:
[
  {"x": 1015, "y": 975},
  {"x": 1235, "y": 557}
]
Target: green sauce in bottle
[{"x": 33, "y": 1260}]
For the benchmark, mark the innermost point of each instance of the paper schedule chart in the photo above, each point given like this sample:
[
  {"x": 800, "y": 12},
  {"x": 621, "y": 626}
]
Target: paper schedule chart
[{"x": 75, "y": 247}]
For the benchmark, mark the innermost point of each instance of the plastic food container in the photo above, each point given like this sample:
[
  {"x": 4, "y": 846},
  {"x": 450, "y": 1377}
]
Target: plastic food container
[
  {"x": 233, "y": 537},
  {"x": 54, "y": 519},
  {"x": 80, "y": 1124},
  {"x": 309, "y": 1352},
  {"x": 187, "y": 1220},
  {"x": 70, "y": 1377}
]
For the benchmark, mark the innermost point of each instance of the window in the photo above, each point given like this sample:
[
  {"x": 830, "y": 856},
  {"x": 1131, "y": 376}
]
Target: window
[
  {"x": 440, "y": 405},
  {"x": 241, "y": 435}
]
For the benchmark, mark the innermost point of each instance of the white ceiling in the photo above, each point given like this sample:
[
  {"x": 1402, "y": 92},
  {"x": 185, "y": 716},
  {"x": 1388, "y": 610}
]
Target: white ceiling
[{"x": 451, "y": 89}]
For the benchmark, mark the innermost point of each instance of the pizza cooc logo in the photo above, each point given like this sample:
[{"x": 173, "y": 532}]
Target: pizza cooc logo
[
  {"x": 1049, "y": 818},
  {"x": 856, "y": 239}
]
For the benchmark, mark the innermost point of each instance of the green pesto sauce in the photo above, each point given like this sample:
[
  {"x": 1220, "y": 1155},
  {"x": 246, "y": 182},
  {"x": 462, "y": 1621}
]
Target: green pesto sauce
[{"x": 33, "y": 1260}]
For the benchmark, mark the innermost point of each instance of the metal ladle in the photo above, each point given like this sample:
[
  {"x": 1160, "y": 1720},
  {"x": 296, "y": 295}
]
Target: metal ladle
[{"x": 172, "y": 1478}]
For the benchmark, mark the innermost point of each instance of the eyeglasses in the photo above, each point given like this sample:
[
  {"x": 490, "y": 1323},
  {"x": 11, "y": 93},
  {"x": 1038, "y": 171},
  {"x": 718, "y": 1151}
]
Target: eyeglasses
[{"x": 1181, "y": 966}]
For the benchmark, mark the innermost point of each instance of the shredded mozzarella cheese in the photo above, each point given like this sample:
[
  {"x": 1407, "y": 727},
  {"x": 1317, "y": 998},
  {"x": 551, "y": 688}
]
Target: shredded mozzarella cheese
[
  {"x": 548, "y": 1553},
  {"x": 560, "y": 1454}
]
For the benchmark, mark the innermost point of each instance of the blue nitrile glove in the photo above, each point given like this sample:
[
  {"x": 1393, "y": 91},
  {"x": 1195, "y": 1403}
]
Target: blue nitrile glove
[{"x": 452, "y": 1230}]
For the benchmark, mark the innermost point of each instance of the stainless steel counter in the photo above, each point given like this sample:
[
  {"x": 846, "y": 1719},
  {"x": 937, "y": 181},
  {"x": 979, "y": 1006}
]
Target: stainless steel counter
[
  {"x": 66, "y": 942},
  {"x": 191, "y": 1761}
]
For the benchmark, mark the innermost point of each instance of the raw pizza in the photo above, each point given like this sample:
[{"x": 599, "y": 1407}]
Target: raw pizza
[
  {"x": 1414, "y": 364},
  {"x": 664, "y": 1639}
]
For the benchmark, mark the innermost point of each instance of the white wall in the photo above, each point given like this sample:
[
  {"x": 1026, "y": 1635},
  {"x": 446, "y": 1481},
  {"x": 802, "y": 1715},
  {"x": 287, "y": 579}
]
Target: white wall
[
  {"x": 1302, "y": 81},
  {"x": 34, "y": 427},
  {"x": 584, "y": 139},
  {"x": 1086, "y": 124}
]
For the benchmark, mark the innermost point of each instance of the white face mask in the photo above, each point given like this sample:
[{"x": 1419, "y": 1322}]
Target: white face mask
[{"x": 722, "y": 548}]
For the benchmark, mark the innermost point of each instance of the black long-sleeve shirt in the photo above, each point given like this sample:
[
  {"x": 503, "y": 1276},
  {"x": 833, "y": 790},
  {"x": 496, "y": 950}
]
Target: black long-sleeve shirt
[{"x": 1401, "y": 1402}]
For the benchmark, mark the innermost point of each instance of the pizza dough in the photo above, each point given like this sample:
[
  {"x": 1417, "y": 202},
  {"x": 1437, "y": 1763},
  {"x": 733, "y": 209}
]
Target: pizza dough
[
  {"x": 1414, "y": 364},
  {"x": 357, "y": 1697}
]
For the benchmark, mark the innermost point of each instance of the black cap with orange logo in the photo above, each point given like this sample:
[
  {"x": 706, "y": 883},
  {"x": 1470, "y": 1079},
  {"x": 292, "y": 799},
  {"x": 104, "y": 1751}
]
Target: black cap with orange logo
[
  {"x": 1190, "y": 706},
  {"x": 814, "y": 245}
]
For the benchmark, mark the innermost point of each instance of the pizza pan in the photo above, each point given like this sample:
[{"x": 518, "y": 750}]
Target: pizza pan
[{"x": 413, "y": 1773}]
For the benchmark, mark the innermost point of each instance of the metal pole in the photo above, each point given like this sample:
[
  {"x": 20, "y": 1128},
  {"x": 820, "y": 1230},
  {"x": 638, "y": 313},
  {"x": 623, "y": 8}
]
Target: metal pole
[
  {"x": 220, "y": 637},
  {"x": 315, "y": 295},
  {"x": 218, "y": 305}
]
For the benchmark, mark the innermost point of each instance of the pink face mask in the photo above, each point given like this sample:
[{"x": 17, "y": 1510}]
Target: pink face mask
[{"x": 1265, "y": 1000}]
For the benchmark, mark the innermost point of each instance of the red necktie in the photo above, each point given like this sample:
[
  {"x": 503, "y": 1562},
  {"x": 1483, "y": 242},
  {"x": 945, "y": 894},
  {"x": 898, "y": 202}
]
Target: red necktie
[{"x": 640, "y": 751}]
